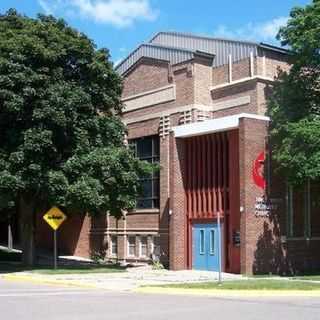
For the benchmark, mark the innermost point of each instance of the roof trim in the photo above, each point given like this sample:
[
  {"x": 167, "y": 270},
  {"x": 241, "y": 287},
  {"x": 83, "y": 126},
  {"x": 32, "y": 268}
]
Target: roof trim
[
  {"x": 194, "y": 52},
  {"x": 274, "y": 48},
  {"x": 197, "y": 52},
  {"x": 153, "y": 46},
  {"x": 128, "y": 56},
  {"x": 160, "y": 46},
  {"x": 214, "y": 125}
]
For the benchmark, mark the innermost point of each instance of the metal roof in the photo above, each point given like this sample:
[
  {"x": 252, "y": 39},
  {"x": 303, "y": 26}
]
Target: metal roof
[
  {"x": 160, "y": 52},
  {"x": 178, "y": 47},
  {"x": 220, "y": 47}
]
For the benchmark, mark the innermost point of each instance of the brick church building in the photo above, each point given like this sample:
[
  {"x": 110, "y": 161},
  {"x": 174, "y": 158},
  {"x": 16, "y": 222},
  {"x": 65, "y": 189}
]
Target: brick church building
[{"x": 197, "y": 106}]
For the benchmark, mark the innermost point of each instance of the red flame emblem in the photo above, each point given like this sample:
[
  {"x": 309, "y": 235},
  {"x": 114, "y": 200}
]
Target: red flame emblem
[{"x": 257, "y": 172}]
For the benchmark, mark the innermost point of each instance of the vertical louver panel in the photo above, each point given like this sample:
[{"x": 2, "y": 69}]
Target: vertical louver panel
[{"x": 207, "y": 181}]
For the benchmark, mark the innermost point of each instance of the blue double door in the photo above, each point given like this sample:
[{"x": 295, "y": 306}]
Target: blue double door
[{"x": 205, "y": 247}]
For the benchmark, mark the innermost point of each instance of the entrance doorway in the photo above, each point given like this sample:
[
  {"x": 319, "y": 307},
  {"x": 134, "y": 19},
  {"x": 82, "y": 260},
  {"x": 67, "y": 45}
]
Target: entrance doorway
[{"x": 205, "y": 247}]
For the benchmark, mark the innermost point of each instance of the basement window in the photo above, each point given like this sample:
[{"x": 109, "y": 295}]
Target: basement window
[
  {"x": 143, "y": 246},
  {"x": 131, "y": 246},
  {"x": 114, "y": 246},
  {"x": 155, "y": 247}
]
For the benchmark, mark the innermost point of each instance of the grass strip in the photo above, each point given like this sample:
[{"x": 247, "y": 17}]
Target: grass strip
[{"x": 248, "y": 285}]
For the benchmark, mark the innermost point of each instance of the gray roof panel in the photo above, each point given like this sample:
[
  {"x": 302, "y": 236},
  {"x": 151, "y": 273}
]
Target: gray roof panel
[
  {"x": 178, "y": 47},
  {"x": 220, "y": 47}
]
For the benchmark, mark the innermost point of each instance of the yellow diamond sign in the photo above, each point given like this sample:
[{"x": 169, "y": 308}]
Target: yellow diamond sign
[{"x": 54, "y": 217}]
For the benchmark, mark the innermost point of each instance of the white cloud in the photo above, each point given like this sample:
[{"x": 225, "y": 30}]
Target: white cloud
[
  {"x": 265, "y": 31},
  {"x": 119, "y": 13},
  {"x": 49, "y": 7},
  {"x": 117, "y": 61}
]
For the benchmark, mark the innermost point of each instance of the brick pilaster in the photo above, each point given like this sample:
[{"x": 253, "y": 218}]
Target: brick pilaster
[{"x": 177, "y": 230}]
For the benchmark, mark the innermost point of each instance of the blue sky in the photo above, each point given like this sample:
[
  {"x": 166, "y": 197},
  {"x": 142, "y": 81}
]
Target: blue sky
[{"x": 121, "y": 25}]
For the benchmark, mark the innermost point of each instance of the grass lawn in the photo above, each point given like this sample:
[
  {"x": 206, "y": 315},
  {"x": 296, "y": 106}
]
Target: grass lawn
[
  {"x": 315, "y": 277},
  {"x": 248, "y": 285}
]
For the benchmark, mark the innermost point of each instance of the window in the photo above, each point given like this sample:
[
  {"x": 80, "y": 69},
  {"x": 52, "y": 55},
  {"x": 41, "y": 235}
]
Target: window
[
  {"x": 303, "y": 210},
  {"x": 201, "y": 234},
  {"x": 131, "y": 246},
  {"x": 143, "y": 246},
  {"x": 315, "y": 209},
  {"x": 114, "y": 246},
  {"x": 296, "y": 207},
  {"x": 147, "y": 149},
  {"x": 212, "y": 234}
]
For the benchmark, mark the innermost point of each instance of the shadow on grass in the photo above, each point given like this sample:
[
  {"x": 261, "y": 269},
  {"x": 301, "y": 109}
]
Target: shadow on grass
[
  {"x": 11, "y": 267},
  {"x": 10, "y": 262},
  {"x": 10, "y": 256}
]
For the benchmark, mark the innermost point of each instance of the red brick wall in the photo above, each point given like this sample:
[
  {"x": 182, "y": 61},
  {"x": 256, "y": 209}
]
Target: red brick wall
[
  {"x": 252, "y": 135},
  {"x": 273, "y": 62},
  {"x": 240, "y": 69},
  {"x": 202, "y": 81},
  {"x": 233, "y": 92},
  {"x": 145, "y": 76},
  {"x": 302, "y": 256},
  {"x": 220, "y": 75},
  {"x": 177, "y": 227},
  {"x": 73, "y": 235}
]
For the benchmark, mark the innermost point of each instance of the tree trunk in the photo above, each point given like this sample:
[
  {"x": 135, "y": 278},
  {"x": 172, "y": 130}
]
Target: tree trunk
[{"x": 27, "y": 227}]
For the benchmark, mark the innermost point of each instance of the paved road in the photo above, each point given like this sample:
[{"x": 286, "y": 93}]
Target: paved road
[{"x": 34, "y": 302}]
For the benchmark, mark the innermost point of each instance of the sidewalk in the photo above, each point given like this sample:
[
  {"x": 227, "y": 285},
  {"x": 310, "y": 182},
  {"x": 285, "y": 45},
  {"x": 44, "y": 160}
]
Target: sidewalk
[{"x": 125, "y": 281}]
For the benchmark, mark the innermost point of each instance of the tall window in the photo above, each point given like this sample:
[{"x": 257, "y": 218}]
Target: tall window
[
  {"x": 315, "y": 209},
  {"x": 297, "y": 211},
  {"x": 303, "y": 214},
  {"x": 147, "y": 149}
]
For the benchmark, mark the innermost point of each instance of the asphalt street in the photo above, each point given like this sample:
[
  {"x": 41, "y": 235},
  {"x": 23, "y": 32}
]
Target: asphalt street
[{"x": 21, "y": 300}]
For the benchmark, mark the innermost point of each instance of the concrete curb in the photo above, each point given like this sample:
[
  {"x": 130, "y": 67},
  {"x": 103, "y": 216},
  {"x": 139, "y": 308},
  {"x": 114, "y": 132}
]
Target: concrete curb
[
  {"x": 229, "y": 293},
  {"x": 37, "y": 280}
]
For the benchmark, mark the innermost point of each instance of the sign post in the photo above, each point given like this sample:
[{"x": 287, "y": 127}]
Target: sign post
[
  {"x": 219, "y": 247},
  {"x": 55, "y": 258},
  {"x": 55, "y": 217}
]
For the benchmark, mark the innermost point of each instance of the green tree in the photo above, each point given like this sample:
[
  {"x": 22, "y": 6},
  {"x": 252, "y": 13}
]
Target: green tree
[
  {"x": 295, "y": 105},
  {"x": 62, "y": 141}
]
